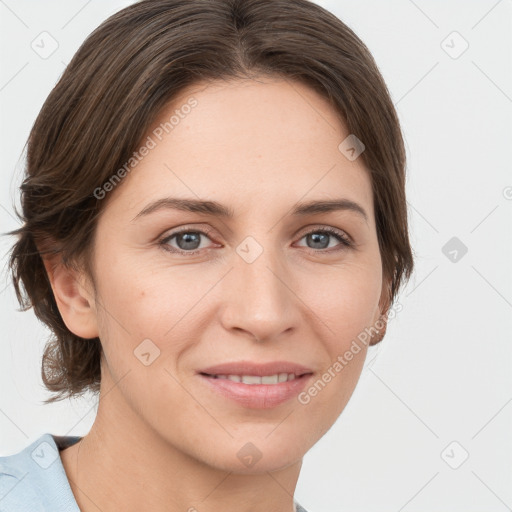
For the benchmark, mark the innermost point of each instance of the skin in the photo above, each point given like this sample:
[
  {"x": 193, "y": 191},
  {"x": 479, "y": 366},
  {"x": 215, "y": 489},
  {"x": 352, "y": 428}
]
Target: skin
[{"x": 161, "y": 439}]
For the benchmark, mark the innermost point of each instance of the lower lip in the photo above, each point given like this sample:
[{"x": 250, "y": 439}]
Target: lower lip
[{"x": 258, "y": 396}]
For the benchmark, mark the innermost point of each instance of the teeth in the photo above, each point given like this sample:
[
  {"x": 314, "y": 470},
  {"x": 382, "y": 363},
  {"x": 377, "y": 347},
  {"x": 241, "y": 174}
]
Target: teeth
[
  {"x": 254, "y": 379},
  {"x": 251, "y": 379},
  {"x": 270, "y": 379}
]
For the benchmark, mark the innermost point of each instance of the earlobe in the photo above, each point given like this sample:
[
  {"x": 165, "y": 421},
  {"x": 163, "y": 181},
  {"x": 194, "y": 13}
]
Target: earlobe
[
  {"x": 75, "y": 302},
  {"x": 381, "y": 322},
  {"x": 381, "y": 325}
]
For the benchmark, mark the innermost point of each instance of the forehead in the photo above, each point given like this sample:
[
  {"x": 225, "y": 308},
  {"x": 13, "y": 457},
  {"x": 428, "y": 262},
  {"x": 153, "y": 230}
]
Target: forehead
[{"x": 246, "y": 143}]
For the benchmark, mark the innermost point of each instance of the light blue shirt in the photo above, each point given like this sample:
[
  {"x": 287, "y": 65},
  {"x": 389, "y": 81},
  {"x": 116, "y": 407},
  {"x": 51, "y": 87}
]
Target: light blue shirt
[{"x": 34, "y": 479}]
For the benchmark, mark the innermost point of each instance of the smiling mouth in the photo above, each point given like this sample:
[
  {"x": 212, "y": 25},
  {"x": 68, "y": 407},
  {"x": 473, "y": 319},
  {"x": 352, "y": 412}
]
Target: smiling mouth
[{"x": 257, "y": 391}]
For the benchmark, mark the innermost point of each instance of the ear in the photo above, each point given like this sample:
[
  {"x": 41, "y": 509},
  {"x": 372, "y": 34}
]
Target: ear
[
  {"x": 381, "y": 319},
  {"x": 73, "y": 294}
]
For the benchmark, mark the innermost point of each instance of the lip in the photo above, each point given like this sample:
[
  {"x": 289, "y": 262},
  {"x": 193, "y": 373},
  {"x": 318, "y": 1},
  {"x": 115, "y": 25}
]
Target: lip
[
  {"x": 258, "y": 369},
  {"x": 256, "y": 396}
]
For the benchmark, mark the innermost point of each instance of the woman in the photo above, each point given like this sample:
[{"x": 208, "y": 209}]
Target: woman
[{"x": 215, "y": 230}]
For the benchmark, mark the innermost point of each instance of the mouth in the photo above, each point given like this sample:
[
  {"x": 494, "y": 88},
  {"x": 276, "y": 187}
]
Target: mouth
[{"x": 256, "y": 386}]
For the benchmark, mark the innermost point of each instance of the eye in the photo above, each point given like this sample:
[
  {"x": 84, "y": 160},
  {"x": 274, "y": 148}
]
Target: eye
[
  {"x": 320, "y": 239},
  {"x": 188, "y": 241}
]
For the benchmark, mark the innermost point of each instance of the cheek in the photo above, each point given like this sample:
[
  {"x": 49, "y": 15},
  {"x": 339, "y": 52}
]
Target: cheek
[
  {"x": 345, "y": 303},
  {"x": 345, "y": 297},
  {"x": 142, "y": 302}
]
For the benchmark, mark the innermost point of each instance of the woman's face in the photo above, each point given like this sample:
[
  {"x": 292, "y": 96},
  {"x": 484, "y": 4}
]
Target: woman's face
[{"x": 263, "y": 285}]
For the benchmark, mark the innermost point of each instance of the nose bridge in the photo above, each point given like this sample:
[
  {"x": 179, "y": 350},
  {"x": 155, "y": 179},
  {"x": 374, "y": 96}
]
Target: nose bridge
[{"x": 259, "y": 299}]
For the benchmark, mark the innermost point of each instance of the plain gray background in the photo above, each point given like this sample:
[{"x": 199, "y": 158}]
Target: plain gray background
[{"x": 428, "y": 427}]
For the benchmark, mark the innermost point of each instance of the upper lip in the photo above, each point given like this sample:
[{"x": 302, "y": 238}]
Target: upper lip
[{"x": 258, "y": 369}]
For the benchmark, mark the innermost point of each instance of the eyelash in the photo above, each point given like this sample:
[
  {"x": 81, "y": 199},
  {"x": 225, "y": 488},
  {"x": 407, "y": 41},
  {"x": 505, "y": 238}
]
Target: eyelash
[{"x": 339, "y": 235}]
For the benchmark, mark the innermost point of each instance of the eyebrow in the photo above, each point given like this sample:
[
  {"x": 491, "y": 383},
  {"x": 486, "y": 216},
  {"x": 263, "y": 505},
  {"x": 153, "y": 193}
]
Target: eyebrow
[{"x": 219, "y": 210}]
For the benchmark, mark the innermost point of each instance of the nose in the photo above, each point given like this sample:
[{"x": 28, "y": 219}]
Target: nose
[{"x": 258, "y": 297}]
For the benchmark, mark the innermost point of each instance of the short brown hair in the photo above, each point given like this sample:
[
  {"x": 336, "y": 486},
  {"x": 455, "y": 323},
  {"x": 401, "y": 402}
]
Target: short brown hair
[{"x": 115, "y": 86}]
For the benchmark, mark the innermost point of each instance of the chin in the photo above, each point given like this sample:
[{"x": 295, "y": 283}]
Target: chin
[{"x": 256, "y": 456}]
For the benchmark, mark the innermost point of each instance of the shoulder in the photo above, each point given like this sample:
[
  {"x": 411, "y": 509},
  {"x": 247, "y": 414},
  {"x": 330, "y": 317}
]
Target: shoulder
[{"x": 34, "y": 478}]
